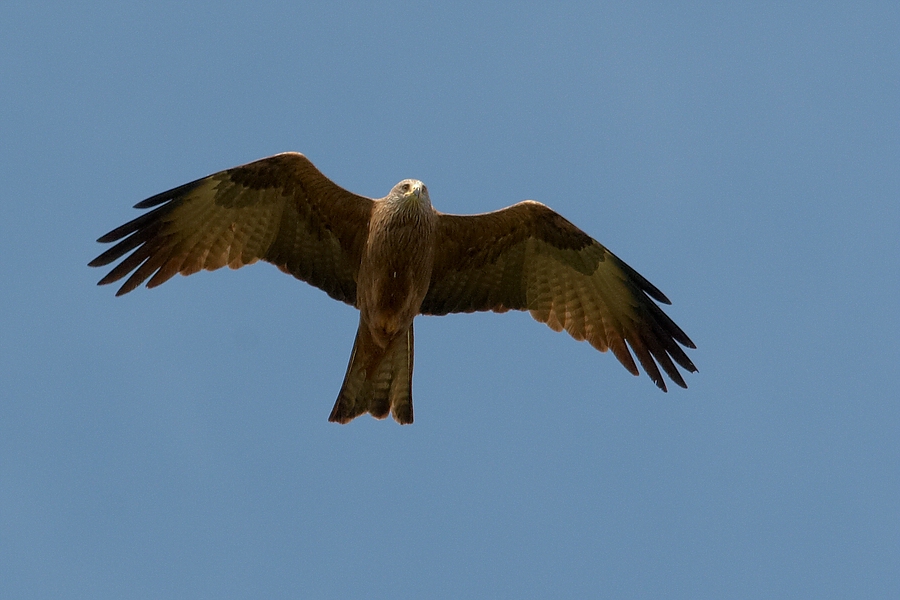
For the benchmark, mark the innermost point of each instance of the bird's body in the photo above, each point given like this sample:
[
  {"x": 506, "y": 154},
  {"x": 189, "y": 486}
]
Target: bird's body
[
  {"x": 395, "y": 270},
  {"x": 394, "y": 275},
  {"x": 395, "y": 258}
]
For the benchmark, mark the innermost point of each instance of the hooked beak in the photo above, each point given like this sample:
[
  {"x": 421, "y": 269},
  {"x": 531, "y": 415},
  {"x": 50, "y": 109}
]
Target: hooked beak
[{"x": 415, "y": 192}]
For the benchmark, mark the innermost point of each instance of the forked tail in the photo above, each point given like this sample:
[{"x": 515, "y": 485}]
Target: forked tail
[{"x": 378, "y": 381}]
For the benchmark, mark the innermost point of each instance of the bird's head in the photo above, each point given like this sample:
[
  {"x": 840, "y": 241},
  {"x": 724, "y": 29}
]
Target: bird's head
[{"x": 410, "y": 193}]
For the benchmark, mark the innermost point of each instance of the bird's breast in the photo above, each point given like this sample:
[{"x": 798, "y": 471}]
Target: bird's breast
[{"x": 394, "y": 277}]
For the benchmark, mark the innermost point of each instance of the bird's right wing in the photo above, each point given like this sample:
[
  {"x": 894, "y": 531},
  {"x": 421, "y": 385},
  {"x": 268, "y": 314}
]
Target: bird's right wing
[
  {"x": 528, "y": 257},
  {"x": 279, "y": 209}
]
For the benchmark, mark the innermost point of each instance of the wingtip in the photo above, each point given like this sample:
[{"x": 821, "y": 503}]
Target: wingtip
[{"x": 120, "y": 292}]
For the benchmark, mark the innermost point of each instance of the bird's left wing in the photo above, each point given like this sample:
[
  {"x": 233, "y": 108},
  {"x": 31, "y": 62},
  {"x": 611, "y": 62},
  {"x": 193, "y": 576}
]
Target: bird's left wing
[
  {"x": 279, "y": 209},
  {"x": 528, "y": 257}
]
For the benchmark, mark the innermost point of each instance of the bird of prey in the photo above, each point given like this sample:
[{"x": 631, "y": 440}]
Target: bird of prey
[{"x": 395, "y": 258}]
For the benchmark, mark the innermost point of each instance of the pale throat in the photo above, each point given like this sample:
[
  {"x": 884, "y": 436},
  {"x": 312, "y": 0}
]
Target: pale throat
[{"x": 409, "y": 210}]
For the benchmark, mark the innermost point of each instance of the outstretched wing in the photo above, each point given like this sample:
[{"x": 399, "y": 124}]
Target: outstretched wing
[
  {"x": 279, "y": 209},
  {"x": 528, "y": 257}
]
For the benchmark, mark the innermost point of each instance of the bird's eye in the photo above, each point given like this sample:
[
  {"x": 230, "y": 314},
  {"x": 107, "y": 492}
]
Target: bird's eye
[{"x": 404, "y": 188}]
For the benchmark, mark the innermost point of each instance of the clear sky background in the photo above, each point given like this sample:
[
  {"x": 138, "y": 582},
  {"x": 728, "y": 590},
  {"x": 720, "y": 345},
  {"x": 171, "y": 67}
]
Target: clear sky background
[{"x": 174, "y": 443}]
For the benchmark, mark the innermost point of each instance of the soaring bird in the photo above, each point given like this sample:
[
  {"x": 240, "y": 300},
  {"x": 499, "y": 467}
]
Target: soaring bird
[{"x": 395, "y": 258}]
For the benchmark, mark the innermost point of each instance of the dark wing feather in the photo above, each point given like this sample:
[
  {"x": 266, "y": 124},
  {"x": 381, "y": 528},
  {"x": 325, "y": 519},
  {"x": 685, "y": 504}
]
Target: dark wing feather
[
  {"x": 528, "y": 257},
  {"x": 279, "y": 209}
]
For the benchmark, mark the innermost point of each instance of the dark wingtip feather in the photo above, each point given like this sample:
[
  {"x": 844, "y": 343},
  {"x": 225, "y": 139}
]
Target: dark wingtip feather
[
  {"x": 645, "y": 357},
  {"x": 108, "y": 238},
  {"x": 652, "y": 291},
  {"x": 128, "y": 286},
  {"x": 620, "y": 350},
  {"x": 660, "y": 383},
  {"x": 132, "y": 226},
  {"x": 169, "y": 194},
  {"x": 645, "y": 286}
]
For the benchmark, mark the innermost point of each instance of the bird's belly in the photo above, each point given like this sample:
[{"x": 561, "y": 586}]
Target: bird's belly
[
  {"x": 393, "y": 279},
  {"x": 390, "y": 306}
]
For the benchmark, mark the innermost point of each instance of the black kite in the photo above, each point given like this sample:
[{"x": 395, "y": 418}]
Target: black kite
[{"x": 393, "y": 259}]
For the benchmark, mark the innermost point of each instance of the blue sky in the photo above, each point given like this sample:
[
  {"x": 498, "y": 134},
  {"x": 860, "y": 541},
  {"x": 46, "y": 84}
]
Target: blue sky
[{"x": 174, "y": 442}]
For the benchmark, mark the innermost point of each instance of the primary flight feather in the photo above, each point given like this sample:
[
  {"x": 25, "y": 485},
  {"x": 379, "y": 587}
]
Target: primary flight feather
[{"x": 395, "y": 258}]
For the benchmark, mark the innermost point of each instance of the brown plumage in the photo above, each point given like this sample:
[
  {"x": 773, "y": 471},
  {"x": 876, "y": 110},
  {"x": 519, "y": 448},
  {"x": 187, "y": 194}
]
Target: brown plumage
[{"x": 395, "y": 258}]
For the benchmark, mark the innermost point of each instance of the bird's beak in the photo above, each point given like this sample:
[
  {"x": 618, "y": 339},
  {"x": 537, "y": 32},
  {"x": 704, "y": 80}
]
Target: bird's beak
[{"x": 415, "y": 194}]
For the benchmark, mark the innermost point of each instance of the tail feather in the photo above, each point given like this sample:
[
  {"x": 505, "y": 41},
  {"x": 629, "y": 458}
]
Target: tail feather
[
  {"x": 378, "y": 381},
  {"x": 401, "y": 383}
]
